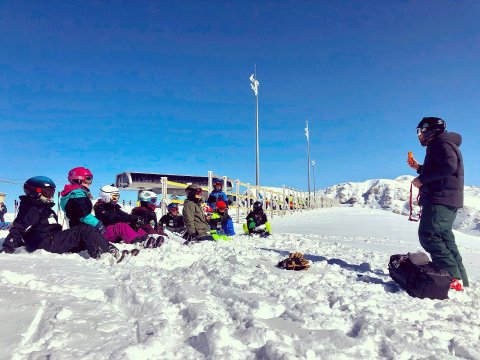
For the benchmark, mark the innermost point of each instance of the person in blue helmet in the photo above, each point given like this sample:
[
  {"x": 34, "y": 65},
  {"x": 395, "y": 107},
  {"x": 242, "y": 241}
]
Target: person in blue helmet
[
  {"x": 173, "y": 220},
  {"x": 36, "y": 225},
  {"x": 217, "y": 195}
]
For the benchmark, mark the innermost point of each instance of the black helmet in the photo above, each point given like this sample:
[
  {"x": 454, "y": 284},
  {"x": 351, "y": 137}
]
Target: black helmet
[
  {"x": 38, "y": 186},
  {"x": 430, "y": 127},
  {"x": 257, "y": 206}
]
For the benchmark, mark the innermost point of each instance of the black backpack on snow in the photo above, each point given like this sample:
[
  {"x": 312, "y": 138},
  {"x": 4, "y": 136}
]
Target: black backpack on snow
[{"x": 419, "y": 277}]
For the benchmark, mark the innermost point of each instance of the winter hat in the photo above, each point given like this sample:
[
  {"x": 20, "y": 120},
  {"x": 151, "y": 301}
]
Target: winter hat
[{"x": 221, "y": 205}]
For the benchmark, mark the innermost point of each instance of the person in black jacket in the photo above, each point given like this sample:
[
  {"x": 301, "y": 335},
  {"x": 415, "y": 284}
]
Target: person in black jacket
[
  {"x": 146, "y": 211},
  {"x": 257, "y": 222},
  {"x": 440, "y": 183},
  {"x": 120, "y": 226},
  {"x": 36, "y": 225},
  {"x": 173, "y": 221}
]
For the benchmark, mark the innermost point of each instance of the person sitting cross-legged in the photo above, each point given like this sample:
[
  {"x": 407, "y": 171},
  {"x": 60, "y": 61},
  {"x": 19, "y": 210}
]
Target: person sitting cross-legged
[
  {"x": 173, "y": 221},
  {"x": 257, "y": 222}
]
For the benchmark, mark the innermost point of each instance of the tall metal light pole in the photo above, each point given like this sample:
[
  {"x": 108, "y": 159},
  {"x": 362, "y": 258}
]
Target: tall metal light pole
[
  {"x": 314, "y": 189},
  {"x": 255, "y": 84},
  {"x": 308, "y": 160}
]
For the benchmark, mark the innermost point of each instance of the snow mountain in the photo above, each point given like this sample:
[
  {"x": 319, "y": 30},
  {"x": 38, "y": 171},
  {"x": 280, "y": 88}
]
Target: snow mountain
[{"x": 394, "y": 195}]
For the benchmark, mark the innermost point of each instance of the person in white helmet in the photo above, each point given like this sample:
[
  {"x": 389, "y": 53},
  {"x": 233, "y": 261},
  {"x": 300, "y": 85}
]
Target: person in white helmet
[
  {"x": 146, "y": 211},
  {"x": 120, "y": 226}
]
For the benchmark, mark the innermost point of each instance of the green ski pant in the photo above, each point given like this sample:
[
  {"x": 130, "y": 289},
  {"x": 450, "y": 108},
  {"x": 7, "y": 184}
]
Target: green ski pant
[{"x": 436, "y": 237}]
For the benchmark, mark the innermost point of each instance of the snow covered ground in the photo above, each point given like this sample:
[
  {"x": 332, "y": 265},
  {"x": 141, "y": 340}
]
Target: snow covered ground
[{"x": 227, "y": 300}]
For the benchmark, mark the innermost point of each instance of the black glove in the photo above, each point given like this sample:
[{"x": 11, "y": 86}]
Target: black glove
[
  {"x": 140, "y": 223},
  {"x": 100, "y": 227}
]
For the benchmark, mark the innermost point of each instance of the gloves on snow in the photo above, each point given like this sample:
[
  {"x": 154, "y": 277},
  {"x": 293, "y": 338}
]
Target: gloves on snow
[{"x": 295, "y": 261}]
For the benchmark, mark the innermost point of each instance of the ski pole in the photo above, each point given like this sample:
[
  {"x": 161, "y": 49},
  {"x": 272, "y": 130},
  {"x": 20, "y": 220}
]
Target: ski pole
[{"x": 411, "y": 218}]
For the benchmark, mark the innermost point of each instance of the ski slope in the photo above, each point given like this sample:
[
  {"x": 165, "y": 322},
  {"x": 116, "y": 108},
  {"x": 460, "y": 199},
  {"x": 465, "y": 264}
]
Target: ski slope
[{"x": 227, "y": 300}]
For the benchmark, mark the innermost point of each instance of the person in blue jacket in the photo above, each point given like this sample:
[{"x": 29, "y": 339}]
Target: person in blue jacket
[
  {"x": 221, "y": 222},
  {"x": 217, "y": 195}
]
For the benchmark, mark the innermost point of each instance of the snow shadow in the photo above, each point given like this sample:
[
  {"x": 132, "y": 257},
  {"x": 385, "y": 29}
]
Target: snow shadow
[{"x": 361, "y": 269}]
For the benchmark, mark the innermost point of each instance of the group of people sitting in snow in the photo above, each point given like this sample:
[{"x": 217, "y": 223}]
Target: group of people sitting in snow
[{"x": 36, "y": 225}]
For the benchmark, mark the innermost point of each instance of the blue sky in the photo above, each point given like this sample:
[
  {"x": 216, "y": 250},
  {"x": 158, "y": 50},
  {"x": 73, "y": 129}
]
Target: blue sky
[{"x": 163, "y": 87}]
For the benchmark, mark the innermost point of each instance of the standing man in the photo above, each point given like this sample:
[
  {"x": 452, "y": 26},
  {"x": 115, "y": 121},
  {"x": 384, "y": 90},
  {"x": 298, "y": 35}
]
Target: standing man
[
  {"x": 3, "y": 211},
  {"x": 441, "y": 194}
]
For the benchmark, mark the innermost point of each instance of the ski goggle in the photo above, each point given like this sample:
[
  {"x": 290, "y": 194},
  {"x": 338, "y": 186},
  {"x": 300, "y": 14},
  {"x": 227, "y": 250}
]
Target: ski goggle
[
  {"x": 47, "y": 192},
  {"x": 421, "y": 130},
  {"x": 173, "y": 209},
  {"x": 198, "y": 191},
  {"x": 115, "y": 197},
  {"x": 88, "y": 179}
]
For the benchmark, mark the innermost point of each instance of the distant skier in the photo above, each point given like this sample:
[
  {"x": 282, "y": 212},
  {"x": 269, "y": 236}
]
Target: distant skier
[
  {"x": 441, "y": 194},
  {"x": 217, "y": 194},
  {"x": 173, "y": 221},
  {"x": 195, "y": 221},
  {"x": 257, "y": 222},
  {"x": 121, "y": 226},
  {"x": 36, "y": 225}
]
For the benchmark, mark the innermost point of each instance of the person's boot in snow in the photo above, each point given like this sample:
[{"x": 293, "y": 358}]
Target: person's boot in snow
[{"x": 153, "y": 241}]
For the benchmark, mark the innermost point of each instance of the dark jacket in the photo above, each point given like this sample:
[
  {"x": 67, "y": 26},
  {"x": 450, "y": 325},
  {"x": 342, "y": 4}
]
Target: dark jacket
[
  {"x": 194, "y": 218},
  {"x": 147, "y": 214},
  {"x": 441, "y": 174},
  {"x": 36, "y": 224},
  {"x": 111, "y": 214},
  {"x": 173, "y": 223},
  {"x": 256, "y": 218}
]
